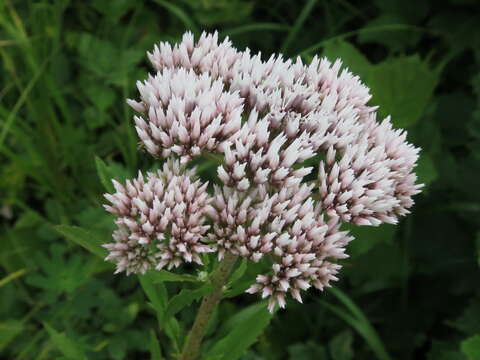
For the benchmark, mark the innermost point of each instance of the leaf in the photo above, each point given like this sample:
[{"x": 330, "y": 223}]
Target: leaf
[
  {"x": 66, "y": 346},
  {"x": 155, "y": 352},
  {"x": 180, "y": 14},
  {"x": 160, "y": 276},
  {"x": 367, "y": 237},
  {"x": 351, "y": 58},
  {"x": 426, "y": 171},
  {"x": 402, "y": 87},
  {"x": 157, "y": 294},
  {"x": 302, "y": 17},
  {"x": 84, "y": 238},
  {"x": 245, "y": 328},
  {"x": 239, "y": 271},
  {"x": 307, "y": 351},
  {"x": 104, "y": 174},
  {"x": 394, "y": 40},
  {"x": 445, "y": 350},
  {"x": 469, "y": 321},
  {"x": 471, "y": 347},
  {"x": 341, "y": 346},
  {"x": 356, "y": 319},
  {"x": 185, "y": 298},
  {"x": 8, "y": 331}
]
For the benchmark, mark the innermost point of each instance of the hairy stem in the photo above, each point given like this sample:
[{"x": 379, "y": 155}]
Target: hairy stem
[{"x": 209, "y": 303}]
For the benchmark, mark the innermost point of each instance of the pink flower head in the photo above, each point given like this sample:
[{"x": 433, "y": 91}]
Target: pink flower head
[
  {"x": 160, "y": 219},
  {"x": 266, "y": 120}
]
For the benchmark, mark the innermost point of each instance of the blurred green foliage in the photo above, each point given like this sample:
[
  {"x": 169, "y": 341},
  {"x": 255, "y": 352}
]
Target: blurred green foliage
[{"x": 407, "y": 292}]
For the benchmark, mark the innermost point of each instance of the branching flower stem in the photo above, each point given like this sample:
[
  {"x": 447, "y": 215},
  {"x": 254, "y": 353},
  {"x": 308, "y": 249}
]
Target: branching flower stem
[{"x": 209, "y": 303}]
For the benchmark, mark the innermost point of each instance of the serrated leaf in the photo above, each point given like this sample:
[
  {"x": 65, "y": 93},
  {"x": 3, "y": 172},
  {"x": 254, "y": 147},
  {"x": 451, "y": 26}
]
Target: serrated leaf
[
  {"x": 69, "y": 348},
  {"x": 185, "y": 298},
  {"x": 245, "y": 328},
  {"x": 84, "y": 238}
]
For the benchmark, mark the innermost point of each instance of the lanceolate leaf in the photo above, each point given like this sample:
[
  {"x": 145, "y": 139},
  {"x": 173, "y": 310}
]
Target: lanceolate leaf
[
  {"x": 155, "y": 352},
  {"x": 70, "y": 349},
  {"x": 245, "y": 328},
  {"x": 185, "y": 298},
  {"x": 356, "y": 319},
  {"x": 84, "y": 238}
]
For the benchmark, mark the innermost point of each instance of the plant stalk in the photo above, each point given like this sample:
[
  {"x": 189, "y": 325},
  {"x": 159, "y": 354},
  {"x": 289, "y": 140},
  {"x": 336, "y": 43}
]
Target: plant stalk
[{"x": 209, "y": 303}]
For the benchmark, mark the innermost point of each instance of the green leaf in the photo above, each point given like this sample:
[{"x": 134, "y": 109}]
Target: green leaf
[
  {"x": 158, "y": 296},
  {"x": 367, "y": 237},
  {"x": 469, "y": 320},
  {"x": 84, "y": 238},
  {"x": 155, "y": 352},
  {"x": 302, "y": 17},
  {"x": 471, "y": 347},
  {"x": 444, "y": 350},
  {"x": 185, "y": 298},
  {"x": 104, "y": 174},
  {"x": 8, "y": 331},
  {"x": 239, "y": 271},
  {"x": 351, "y": 58},
  {"x": 160, "y": 276},
  {"x": 394, "y": 40},
  {"x": 402, "y": 87},
  {"x": 426, "y": 171},
  {"x": 245, "y": 328},
  {"x": 66, "y": 346},
  {"x": 307, "y": 351},
  {"x": 156, "y": 293},
  {"x": 341, "y": 346},
  {"x": 356, "y": 319},
  {"x": 180, "y": 14}
]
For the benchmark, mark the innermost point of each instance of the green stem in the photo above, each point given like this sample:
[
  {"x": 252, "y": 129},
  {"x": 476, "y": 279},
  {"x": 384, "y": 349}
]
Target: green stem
[{"x": 209, "y": 303}]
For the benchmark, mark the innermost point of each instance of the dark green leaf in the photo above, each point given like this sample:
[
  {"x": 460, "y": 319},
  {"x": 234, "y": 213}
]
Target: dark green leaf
[
  {"x": 402, "y": 87},
  {"x": 341, "y": 346},
  {"x": 471, "y": 347},
  {"x": 104, "y": 174},
  {"x": 245, "y": 328},
  {"x": 8, "y": 331},
  {"x": 155, "y": 352},
  {"x": 88, "y": 240},
  {"x": 69, "y": 348},
  {"x": 160, "y": 276},
  {"x": 185, "y": 298}
]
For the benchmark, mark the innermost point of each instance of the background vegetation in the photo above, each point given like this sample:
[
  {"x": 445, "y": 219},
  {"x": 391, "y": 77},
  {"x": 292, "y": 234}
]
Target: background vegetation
[{"x": 407, "y": 292}]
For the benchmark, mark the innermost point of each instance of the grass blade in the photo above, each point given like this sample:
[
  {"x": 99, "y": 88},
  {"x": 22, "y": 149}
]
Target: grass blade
[
  {"x": 298, "y": 25},
  {"x": 356, "y": 319}
]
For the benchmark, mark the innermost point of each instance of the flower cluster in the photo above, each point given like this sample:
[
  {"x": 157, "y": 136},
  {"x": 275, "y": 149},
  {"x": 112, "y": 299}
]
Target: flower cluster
[{"x": 265, "y": 120}]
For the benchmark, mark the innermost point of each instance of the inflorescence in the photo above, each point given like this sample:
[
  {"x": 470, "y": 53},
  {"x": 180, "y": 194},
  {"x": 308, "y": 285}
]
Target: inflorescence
[{"x": 264, "y": 119}]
